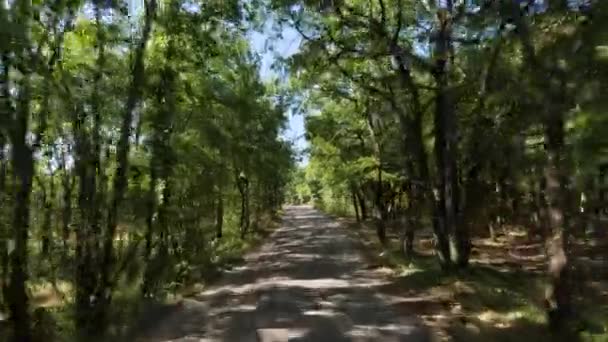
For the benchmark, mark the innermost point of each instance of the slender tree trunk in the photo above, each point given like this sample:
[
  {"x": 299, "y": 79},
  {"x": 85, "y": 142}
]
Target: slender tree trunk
[
  {"x": 151, "y": 210},
  {"x": 88, "y": 233},
  {"x": 6, "y": 112},
  {"x": 243, "y": 211},
  {"x": 540, "y": 206},
  {"x": 247, "y": 211},
  {"x": 243, "y": 185},
  {"x": 164, "y": 212},
  {"x": 165, "y": 124},
  {"x": 409, "y": 216},
  {"x": 4, "y": 270},
  {"x": 47, "y": 229},
  {"x": 362, "y": 205},
  {"x": 66, "y": 213},
  {"x": 122, "y": 164},
  {"x": 162, "y": 159},
  {"x": 409, "y": 220},
  {"x": 149, "y": 236},
  {"x": 601, "y": 191},
  {"x": 355, "y": 206},
  {"x": 558, "y": 291},
  {"x": 3, "y": 165},
  {"x": 219, "y": 214},
  {"x": 380, "y": 206},
  {"x": 408, "y": 242},
  {"x": 256, "y": 206},
  {"x": 380, "y": 210},
  {"x": 558, "y": 294},
  {"x": 85, "y": 275}
]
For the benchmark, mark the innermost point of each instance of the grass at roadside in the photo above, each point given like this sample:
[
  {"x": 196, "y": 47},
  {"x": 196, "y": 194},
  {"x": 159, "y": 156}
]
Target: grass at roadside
[
  {"x": 52, "y": 298},
  {"x": 499, "y": 298}
]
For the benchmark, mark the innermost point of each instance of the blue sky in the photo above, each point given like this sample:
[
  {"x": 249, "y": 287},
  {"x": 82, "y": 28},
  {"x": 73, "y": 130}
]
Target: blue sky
[
  {"x": 261, "y": 42},
  {"x": 287, "y": 45}
]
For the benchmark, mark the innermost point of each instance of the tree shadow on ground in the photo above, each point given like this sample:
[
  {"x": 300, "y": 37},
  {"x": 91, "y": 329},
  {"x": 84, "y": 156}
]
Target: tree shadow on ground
[
  {"x": 308, "y": 278},
  {"x": 499, "y": 298},
  {"x": 311, "y": 279}
]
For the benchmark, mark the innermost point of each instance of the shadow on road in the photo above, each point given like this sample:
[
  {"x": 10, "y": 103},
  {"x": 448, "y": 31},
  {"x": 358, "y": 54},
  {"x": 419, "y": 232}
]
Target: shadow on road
[{"x": 308, "y": 280}]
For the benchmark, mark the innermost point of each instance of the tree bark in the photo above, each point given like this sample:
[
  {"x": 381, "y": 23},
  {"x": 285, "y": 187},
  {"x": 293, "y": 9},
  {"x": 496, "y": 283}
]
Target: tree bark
[
  {"x": 422, "y": 185},
  {"x": 149, "y": 236},
  {"x": 380, "y": 209},
  {"x": 446, "y": 141},
  {"x": 85, "y": 275},
  {"x": 66, "y": 213},
  {"x": 355, "y": 206},
  {"x": 161, "y": 163},
  {"x": 362, "y": 205},
  {"x": 122, "y": 165},
  {"x": 23, "y": 166},
  {"x": 243, "y": 185},
  {"x": 558, "y": 294},
  {"x": 47, "y": 200},
  {"x": 3, "y": 204},
  {"x": 219, "y": 214},
  {"x": 6, "y": 112}
]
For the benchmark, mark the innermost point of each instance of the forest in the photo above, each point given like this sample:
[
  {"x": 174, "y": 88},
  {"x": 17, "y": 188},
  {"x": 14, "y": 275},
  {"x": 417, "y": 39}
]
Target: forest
[
  {"x": 473, "y": 130},
  {"x": 142, "y": 153},
  {"x": 136, "y": 155}
]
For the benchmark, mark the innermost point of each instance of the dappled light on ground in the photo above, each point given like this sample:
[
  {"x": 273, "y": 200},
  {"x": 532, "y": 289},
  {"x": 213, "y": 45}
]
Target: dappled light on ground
[
  {"x": 498, "y": 298},
  {"x": 308, "y": 282}
]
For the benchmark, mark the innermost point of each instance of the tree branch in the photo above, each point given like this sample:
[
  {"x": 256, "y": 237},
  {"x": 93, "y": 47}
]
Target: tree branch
[{"x": 382, "y": 13}]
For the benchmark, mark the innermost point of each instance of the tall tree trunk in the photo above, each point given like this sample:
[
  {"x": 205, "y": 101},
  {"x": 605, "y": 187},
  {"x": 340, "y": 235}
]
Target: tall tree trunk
[
  {"x": 380, "y": 206},
  {"x": 161, "y": 163},
  {"x": 4, "y": 270},
  {"x": 98, "y": 174},
  {"x": 66, "y": 212},
  {"x": 422, "y": 185},
  {"x": 558, "y": 291},
  {"x": 558, "y": 295},
  {"x": 122, "y": 164},
  {"x": 149, "y": 236},
  {"x": 88, "y": 233},
  {"x": 23, "y": 166},
  {"x": 85, "y": 274},
  {"x": 446, "y": 141},
  {"x": 6, "y": 113}
]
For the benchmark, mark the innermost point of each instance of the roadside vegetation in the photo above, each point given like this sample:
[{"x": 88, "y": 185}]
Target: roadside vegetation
[{"x": 467, "y": 139}]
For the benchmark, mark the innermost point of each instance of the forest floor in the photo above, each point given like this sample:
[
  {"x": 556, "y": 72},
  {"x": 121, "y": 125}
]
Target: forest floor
[
  {"x": 499, "y": 297},
  {"x": 309, "y": 281}
]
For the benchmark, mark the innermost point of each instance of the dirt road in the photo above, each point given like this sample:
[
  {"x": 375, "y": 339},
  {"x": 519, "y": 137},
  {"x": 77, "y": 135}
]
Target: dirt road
[{"x": 308, "y": 282}]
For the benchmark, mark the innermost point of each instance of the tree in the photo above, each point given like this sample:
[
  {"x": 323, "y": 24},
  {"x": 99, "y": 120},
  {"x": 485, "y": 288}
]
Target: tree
[
  {"x": 111, "y": 113},
  {"x": 468, "y": 82}
]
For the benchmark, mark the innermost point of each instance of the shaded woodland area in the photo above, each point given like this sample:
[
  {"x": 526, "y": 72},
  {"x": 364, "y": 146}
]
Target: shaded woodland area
[
  {"x": 139, "y": 151},
  {"x": 473, "y": 131}
]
